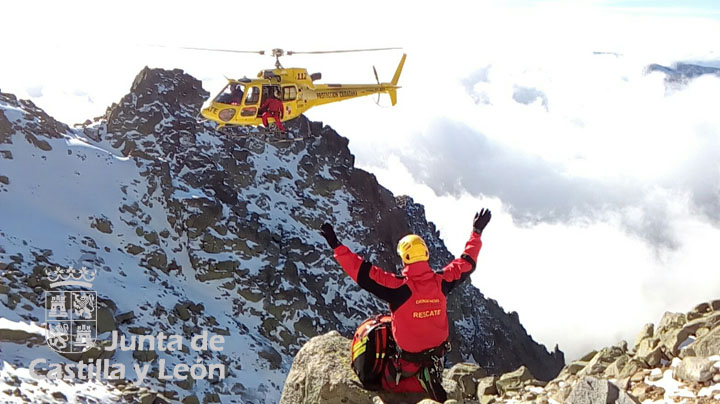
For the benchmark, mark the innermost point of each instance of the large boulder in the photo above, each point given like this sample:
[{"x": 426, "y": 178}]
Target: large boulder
[
  {"x": 669, "y": 322},
  {"x": 591, "y": 390},
  {"x": 705, "y": 346},
  {"x": 486, "y": 386},
  {"x": 617, "y": 366},
  {"x": 466, "y": 375},
  {"x": 646, "y": 332},
  {"x": 650, "y": 351},
  {"x": 694, "y": 369},
  {"x": 631, "y": 367},
  {"x": 676, "y": 338},
  {"x": 514, "y": 381},
  {"x": 603, "y": 359},
  {"x": 321, "y": 373}
]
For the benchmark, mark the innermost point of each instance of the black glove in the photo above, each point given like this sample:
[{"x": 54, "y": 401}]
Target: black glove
[
  {"x": 482, "y": 218},
  {"x": 326, "y": 230}
]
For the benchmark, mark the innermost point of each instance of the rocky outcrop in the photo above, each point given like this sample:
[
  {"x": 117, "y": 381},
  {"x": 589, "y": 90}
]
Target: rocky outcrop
[
  {"x": 693, "y": 369},
  {"x": 591, "y": 390},
  {"x": 20, "y": 336},
  {"x": 611, "y": 375},
  {"x": 664, "y": 364},
  {"x": 36, "y": 127},
  {"x": 321, "y": 373}
]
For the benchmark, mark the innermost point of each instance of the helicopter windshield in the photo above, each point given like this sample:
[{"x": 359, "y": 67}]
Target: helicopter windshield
[{"x": 232, "y": 94}]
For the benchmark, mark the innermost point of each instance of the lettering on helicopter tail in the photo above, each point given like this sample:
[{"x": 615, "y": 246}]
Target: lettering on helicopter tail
[{"x": 337, "y": 94}]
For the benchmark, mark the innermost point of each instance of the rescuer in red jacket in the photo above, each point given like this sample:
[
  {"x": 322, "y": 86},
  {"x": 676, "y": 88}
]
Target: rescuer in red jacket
[
  {"x": 272, "y": 107},
  {"x": 418, "y": 305}
]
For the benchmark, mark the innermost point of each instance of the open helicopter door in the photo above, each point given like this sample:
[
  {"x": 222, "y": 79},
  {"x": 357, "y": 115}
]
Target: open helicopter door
[
  {"x": 288, "y": 94},
  {"x": 268, "y": 89}
]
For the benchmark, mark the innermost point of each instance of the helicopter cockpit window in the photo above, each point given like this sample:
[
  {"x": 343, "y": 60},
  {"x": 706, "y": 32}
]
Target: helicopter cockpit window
[
  {"x": 253, "y": 96},
  {"x": 232, "y": 94},
  {"x": 289, "y": 93}
]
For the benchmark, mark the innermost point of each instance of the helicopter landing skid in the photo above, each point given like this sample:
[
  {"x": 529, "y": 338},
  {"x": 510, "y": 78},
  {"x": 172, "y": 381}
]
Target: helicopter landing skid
[{"x": 269, "y": 136}]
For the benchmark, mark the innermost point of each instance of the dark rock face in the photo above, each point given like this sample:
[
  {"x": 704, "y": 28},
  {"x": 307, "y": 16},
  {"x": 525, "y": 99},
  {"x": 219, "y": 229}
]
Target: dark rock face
[
  {"x": 39, "y": 125},
  {"x": 231, "y": 212},
  {"x": 159, "y": 112}
]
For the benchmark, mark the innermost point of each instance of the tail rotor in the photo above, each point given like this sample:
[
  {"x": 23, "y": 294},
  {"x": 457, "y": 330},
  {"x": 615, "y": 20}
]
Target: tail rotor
[{"x": 378, "y": 81}]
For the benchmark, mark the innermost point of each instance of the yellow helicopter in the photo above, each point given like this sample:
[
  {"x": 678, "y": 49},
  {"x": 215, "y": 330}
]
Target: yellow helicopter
[{"x": 240, "y": 101}]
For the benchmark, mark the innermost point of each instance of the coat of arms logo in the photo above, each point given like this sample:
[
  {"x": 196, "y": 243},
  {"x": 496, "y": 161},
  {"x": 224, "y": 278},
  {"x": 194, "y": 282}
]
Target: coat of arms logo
[{"x": 71, "y": 315}]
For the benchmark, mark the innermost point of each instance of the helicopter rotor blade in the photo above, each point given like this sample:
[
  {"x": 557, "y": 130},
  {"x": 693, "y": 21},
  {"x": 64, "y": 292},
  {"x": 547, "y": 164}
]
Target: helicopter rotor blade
[
  {"x": 339, "y": 51},
  {"x": 261, "y": 52}
]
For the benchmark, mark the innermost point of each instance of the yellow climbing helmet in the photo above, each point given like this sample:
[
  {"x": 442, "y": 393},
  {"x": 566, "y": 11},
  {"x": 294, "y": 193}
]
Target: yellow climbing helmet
[{"x": 412, "y": 248}]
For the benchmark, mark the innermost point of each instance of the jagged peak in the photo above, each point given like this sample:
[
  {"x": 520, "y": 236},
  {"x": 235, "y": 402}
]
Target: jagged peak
[
  {"x": 150, "y": 78},
  {"x": 23, "y": 116},
  {"x": 175, "y": 91}
]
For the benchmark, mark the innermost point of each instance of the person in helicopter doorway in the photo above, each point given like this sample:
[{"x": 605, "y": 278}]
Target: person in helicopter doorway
[
  {"x": 418, "y": 305},
  {"x": 272, "y": 107}
]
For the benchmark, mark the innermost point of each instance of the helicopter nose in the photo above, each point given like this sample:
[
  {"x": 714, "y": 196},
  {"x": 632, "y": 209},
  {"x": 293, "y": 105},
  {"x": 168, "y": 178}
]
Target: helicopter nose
[{"x": 207, "y": 113}]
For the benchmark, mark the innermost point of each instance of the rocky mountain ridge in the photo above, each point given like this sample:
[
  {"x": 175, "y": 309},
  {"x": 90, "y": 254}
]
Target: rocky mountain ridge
[{"x": 191, "y": 229}]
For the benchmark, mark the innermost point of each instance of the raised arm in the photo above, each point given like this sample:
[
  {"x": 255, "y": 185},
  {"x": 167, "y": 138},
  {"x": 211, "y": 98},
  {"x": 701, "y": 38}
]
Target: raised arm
[
  {"x": 385, "y": 285},
  {"x": 461, "y": 268}
]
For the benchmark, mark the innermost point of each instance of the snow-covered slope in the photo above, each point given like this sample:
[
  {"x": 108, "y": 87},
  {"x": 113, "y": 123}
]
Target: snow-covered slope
[{"x": 190, "y": 229}]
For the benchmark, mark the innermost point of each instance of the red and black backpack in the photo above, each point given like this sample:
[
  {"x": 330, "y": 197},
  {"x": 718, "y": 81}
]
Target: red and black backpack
[{"x": 370, "y": 350}]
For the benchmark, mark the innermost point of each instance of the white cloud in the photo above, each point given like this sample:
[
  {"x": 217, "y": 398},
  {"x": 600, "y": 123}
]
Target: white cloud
[
  {"x": 605, "y": 202},
  {"x": 582, "y": 284}
]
